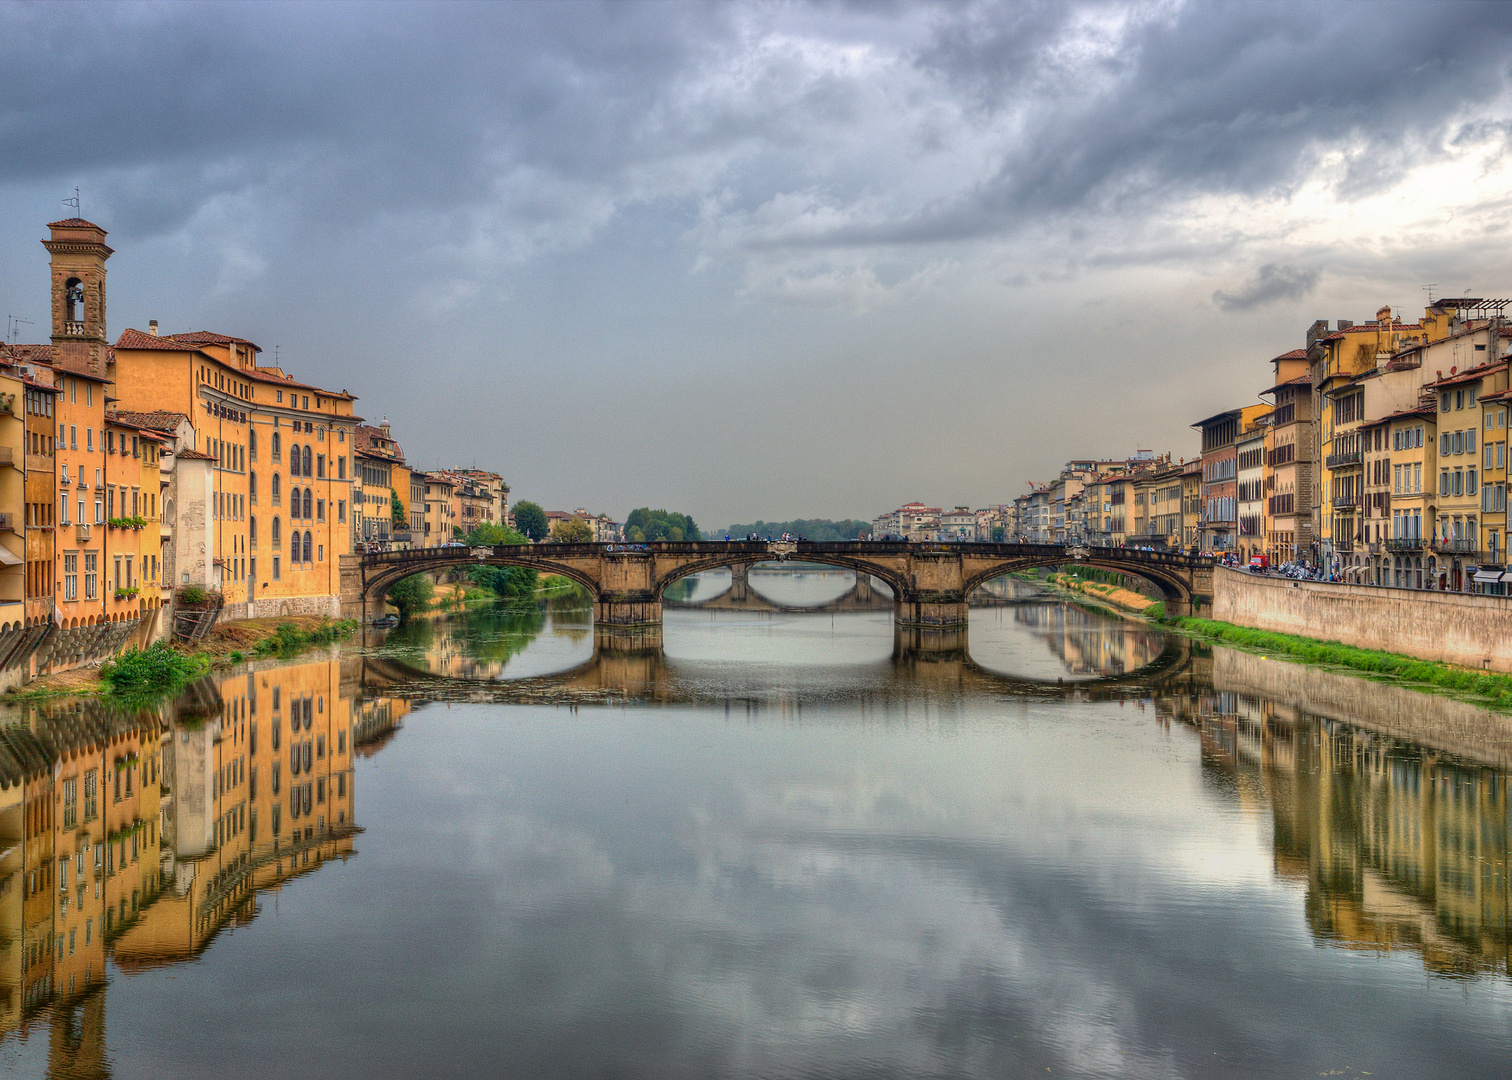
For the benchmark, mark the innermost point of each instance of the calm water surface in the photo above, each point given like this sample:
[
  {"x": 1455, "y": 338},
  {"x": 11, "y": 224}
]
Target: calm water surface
[{"x": 791, "y": 846}]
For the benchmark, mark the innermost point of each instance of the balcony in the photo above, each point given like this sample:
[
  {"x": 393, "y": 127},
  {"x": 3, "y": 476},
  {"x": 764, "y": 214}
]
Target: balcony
[
  {"x": 1351, "y": 457},
  {"x": 1458, "y": 545},
  {"x": 1345, "y": 502},
  {"x": 1405, "y": 543},
  {"x": 73, "y": 329},
  {"x": 83, "y": 533},
  {"x": 8, "y": 456},
  {"x": 7, "y": 522}
]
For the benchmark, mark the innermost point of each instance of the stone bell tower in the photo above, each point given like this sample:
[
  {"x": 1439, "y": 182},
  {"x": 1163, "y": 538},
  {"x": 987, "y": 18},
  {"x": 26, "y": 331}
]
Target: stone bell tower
[{"x": 78, "y": 295}]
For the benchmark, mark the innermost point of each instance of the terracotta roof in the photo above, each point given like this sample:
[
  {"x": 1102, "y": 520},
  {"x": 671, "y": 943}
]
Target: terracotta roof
[
  {"x": 365, "y": 437},
  {"x": 28, "y": 354},
  {"x": 1295, "y": 354},
  {"x": 156, "y": 421},
  {"x": 1422, "y": 410},
  {"x": 1300, "y": 380},
  {"x": 73, "y": 223},
  {"x": 1468, "y": 375},
  {"x": 209, "y": 337},
  {"x": 197, "y": 455},
  {"x": 147, "y": 433},
  {"x": 135, "y": 339}
]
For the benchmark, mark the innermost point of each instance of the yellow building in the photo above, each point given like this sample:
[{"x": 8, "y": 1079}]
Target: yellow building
[
  {"x": 1462, "y": 537},
  {"x": 266, "y": 524},
  {"x": 380, "y": 472},
  {"x": 440, "y": 509},
  {"x": 12, "y": 506}
]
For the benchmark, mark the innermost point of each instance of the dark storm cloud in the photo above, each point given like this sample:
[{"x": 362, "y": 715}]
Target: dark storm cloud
[
  {"x": 377, "y": 109},
  {"x": 1271, "y": 282}
]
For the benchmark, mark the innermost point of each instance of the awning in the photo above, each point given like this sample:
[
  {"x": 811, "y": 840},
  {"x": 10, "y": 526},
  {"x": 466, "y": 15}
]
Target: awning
[
  {"x": 7, "y": 559},
  {"x": 1488, "y": 576}
]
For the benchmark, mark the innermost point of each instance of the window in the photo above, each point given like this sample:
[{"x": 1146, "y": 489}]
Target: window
[
  {"x": 294, "y": 547},
  {"x": 304, "y": 468},
  {"x": 71, "y": 575},
  {"x": 320, "y": 466},
  {"x": 308, "y": 503},
  {"x": 309, "y": 550},
  {"x": 341, "y": 467},
  {"x": 1469, "y": 440},
  {"x": 275, "y": 442},
  {"x": 1470, "y": 482},
  {"x": 252, "y": 444},
  {"x": 275, "y": 485},
  {"x": 293, "y": 459},
  {"x": 252, "y": 531},
  {"x": 91, "y": 573},
  {"x": 341, "y": 510},
  {"x": 70, "y": 810},
  {"x": 319, "y": 509}
]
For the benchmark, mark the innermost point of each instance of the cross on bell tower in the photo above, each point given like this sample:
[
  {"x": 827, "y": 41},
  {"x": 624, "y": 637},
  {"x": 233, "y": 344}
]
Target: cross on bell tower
[{"x": 78, "y": 295}]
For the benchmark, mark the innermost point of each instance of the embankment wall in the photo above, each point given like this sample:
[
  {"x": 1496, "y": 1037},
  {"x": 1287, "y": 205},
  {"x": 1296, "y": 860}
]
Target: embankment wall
[{"x": 1455, "y": 628}]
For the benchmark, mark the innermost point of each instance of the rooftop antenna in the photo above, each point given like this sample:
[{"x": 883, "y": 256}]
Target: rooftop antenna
[
  {"x": 73, "y": 202},
  {"x": 1429, "y": 290},
  {"x": 275, "y": 356},
  {"x": 12, "y": 328}
]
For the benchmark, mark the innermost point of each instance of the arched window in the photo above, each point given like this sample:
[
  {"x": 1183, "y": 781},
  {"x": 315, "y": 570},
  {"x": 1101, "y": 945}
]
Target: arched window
[
  {"x": 277, "y": 440},
  {"x": 252, "y": 443},
  {"x": 293, "y": 459},
  {"x": 252, "y": 487},
  {"x": 309, "y": 556},
  {"x": 309, "y": 503},
  {"x": 276, "y": 484},
  {"x": 277, "y": 535},
  {"x": 294, "y": 546},
  {"x": 304, "y": 469},
  {"x": 252, "y": 531}
]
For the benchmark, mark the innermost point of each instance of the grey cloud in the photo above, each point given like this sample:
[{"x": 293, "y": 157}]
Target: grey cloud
[{"x": 1271, "y": 282}]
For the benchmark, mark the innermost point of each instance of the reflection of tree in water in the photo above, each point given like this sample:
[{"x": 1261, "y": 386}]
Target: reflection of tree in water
[
  {"x": 1397, "y": 846},
  {"x": 480, "y": 642},
  {"x": 1091, "y": 644}
]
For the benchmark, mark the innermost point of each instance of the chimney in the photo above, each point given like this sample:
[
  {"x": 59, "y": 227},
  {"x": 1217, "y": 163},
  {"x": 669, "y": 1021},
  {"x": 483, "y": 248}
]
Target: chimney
[{"x": 152, "y": 327}]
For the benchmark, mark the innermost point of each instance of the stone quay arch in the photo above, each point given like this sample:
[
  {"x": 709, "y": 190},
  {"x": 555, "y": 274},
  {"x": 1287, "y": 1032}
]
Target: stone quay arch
[{"x": 929, "y": 581}]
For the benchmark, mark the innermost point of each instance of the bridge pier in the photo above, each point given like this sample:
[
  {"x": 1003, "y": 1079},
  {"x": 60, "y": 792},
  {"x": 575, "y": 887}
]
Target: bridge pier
[
  {"x": 740, "y": 580},
  {"x": 932, "y": 611},
  {"x": 627, "y": 609}
]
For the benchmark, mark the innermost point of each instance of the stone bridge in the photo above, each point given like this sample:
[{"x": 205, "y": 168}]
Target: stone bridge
[{"x": 929, "y": 582}]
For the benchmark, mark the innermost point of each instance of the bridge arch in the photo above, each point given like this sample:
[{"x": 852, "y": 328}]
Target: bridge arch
[
  {"x": 1171, "y": 585},
  {"x": 378, "y": 583},
  {"x": 895, "y": 581}
]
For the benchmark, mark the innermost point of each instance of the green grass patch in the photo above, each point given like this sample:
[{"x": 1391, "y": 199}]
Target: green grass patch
[
  {"x": 145, "y": 673},
  {"x": 289, "y": 639},
  {"x": 1493, "y": 686}
]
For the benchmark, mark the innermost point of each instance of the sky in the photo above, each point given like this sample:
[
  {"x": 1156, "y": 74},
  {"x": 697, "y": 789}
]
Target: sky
[{"x": 764, "y": 260}]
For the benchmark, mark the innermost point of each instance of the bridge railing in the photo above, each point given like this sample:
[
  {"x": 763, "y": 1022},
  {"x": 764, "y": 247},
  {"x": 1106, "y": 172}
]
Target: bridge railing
[{"x": 760, "y": 551}]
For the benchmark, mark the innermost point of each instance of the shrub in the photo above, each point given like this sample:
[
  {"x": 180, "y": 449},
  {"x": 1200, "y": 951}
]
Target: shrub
[{"x": 158, "y": 669}]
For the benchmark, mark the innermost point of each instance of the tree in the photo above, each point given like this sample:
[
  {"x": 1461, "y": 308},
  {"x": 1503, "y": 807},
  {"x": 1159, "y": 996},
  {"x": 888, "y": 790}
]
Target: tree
[
  {"x": 998, "y": 532},
  {"x": 530, "y": 519},
  {"x": 488, "y": 534},
  {"x": 412, "y": 594},
  {"x": 572, "y": 531},
  {"x": 401, "y": 519},
  {"x": 653, "y": 525}
]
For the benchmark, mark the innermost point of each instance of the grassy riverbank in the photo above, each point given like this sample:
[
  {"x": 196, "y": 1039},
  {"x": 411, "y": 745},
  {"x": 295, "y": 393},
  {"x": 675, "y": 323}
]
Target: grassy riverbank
[
  {"x": 164, "y": 668},
  {"x": 1492, "y": 686}
]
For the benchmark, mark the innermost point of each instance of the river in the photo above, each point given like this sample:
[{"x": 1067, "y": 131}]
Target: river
[{"x": 778, "y": 844}]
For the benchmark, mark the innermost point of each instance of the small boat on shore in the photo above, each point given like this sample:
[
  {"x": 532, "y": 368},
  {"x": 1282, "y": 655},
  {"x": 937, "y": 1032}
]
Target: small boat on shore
[{"x": 386, "y": 622}]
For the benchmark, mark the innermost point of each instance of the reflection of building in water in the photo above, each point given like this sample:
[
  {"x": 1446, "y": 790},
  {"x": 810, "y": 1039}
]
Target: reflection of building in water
[
  {"x": 1397, "y": 846},
  {"x": 140, "y": 836},
  {"x": 1089, "y": 644}
]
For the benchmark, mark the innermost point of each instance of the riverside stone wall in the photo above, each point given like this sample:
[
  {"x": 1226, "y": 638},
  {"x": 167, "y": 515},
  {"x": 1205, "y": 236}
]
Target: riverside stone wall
[{"x": 1471, "y": 631}]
